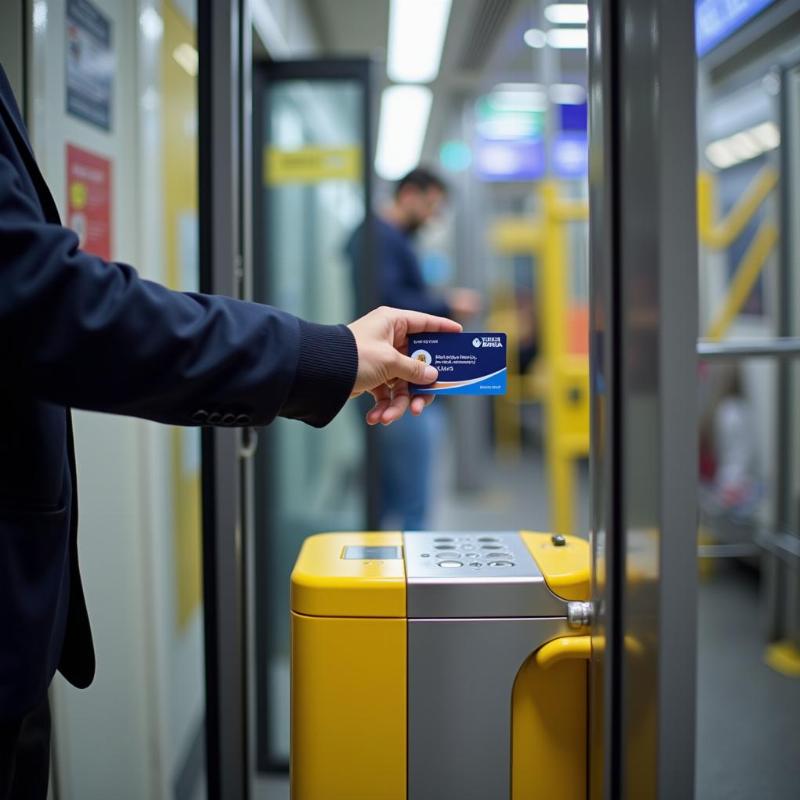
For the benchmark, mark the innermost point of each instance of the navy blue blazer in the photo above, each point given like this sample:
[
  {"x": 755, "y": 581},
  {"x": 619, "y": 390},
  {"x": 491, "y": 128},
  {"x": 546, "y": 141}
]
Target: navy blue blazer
[
  {"x": 76, "y": 331},
  {"x": 399, "y": 281}
]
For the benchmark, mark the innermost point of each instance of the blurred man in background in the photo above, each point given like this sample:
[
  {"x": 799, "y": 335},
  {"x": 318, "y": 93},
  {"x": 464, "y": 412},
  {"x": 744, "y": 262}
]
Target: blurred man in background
[{"x": 407, "y": 448}]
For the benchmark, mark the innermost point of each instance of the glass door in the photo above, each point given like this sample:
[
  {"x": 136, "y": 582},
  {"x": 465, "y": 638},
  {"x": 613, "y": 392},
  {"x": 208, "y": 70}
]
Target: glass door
[{"x": 311, "y": 193}]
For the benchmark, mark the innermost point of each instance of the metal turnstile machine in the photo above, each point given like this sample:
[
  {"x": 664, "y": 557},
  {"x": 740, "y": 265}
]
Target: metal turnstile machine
[{"x": 440, "y": 666}]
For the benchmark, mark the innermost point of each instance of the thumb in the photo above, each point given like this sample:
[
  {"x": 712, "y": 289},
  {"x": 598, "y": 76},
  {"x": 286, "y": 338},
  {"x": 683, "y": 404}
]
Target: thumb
[{"x": 413, "y": 371}]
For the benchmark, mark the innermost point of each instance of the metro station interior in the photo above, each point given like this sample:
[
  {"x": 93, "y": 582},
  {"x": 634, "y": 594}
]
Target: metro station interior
[{"x": 188, "y": 542}]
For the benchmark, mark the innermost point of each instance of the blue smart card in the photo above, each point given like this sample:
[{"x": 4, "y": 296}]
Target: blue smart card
[{"x": 468, "y": 363}]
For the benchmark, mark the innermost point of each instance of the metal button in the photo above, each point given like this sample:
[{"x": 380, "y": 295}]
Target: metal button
[
  {"x": 488, "y": 539},
  {"x": 445, "y": 547},
  {"x": 443, "y": 539},
  {"x": 450, "y": 564},
  {"x": 228, "y": 419},
  {"x": 200, "y": 416},
  {"x": 476, "y": 564},
  {"x": 472, "y": 555},
  {"x": 501, "y": 563},
  {"x": 214, "y": 417},
  {"x": 243, "y": 419},
  {"x": 491, "y": 547},
  {"x": 558, "y": 540}
]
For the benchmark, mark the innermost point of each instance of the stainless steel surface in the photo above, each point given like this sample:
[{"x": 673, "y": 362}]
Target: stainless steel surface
[
  {"x": 220, "y": 34},
  {"x": 460, "y": 677},
  {"x": 474, "y": 575},
  {"x": 734, "y": 550},
  {"x": 643, "y": 365},
  {"x": 579, "y": 614},
  {"x": 782, "y": 347}
]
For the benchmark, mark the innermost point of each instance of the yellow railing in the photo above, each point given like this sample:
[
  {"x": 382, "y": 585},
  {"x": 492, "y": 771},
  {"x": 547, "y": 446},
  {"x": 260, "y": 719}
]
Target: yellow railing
[
  {"x": 560, "y": 378},
  {"x": 718, "y": 234}
]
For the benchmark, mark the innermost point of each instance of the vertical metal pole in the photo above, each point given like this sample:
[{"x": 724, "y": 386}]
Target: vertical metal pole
[
  {"x": 644, "y": 438},
  {"x": 221, "y": 253}
]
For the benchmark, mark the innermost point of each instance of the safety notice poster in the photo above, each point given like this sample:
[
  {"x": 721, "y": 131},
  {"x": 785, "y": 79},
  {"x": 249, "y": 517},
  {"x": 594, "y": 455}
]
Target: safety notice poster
[
  {"x": 89, "y": 200},
  {"x": 90, "y": 64}
]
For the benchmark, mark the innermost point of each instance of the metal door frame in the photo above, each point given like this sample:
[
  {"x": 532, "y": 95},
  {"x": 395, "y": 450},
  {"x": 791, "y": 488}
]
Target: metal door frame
[
  {"x": 264, "y": 72},
  {"x": 223, "y": 36},
  {"x": 643, "y": 360}
]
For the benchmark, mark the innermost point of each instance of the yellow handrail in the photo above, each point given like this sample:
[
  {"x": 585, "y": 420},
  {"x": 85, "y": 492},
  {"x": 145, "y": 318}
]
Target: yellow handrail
[
  {"x": 720, "y": 234},
  {"x": 743, "y": 281}
]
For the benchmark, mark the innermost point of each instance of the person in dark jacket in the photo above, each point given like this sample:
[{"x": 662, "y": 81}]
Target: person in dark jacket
[
  {"x": 408, "y": 449},
  {"x": 79, "y": 332}
]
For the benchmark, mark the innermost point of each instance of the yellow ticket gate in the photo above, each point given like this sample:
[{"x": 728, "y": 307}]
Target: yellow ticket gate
[{"x": 440, "y": 666}]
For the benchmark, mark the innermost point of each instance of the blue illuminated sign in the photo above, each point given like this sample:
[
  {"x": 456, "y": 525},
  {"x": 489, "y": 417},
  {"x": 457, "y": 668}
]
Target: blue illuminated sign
[{"x": 716, "y": 20}]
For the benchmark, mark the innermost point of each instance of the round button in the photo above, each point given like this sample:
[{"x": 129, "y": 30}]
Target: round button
[
  {"x": 488, "y": 539},
  {"x": 424, "y": 555},
  {"x": 228, "y": 419},
  {"x": 200, "y": 416},
  {"x": 443, "y": 539},
  {"x": 214, "y": 417},
  {"x": 450, "y": 564},
  {"x": 501, "y": 563},
  {"x": 445, "y": 547},
  {"x": 472, "y": 555},
  {"x": 491, "y": 547},
  {"x": 243, "y": 419},
  {"x": 476, "y": 564}
]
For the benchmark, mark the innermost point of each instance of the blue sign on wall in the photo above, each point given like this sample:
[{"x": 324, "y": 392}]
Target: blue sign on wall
[{"x": 716, "y": 20}]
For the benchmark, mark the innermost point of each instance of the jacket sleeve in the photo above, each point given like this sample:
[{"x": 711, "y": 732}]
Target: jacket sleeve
[{"x": 78, "y": 331}]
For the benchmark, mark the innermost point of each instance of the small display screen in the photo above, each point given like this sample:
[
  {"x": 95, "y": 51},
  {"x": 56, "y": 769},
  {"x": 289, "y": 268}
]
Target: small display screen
[{"x": 369, "y": 553}]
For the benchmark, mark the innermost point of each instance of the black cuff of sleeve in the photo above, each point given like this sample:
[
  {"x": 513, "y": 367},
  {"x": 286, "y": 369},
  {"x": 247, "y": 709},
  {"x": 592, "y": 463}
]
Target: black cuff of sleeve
[{"x": 326, "y": 373}]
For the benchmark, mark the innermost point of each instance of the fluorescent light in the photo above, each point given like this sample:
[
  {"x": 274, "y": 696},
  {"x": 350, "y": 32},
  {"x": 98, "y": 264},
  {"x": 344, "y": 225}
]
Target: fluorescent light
[
  {"x": 535, "y": 38},
  {"x": 568, "y": 38},
  {"x": 401, "y": 129},
  {"x": 187, "y": 57},
  {"x": 743, "y": 145},
  {"x": 767, "y": 135},
  {"x": 151, "y": 23},
  {"x": 568, "y": 94},
  {"x": 518, "y": 97},
  {"x": 567, "y": 13},
  {"x": 720, "y": 155},
  {"x": 416, "y": 38}
]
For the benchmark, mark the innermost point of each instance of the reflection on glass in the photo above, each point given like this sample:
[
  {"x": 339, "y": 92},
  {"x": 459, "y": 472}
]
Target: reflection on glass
[{"x": 314, "y": 198}]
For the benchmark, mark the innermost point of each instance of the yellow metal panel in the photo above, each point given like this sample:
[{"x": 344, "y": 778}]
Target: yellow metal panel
[
  {"x": 548, "y": 745},
  {"x": 312, "y": 165},
  {"x": 784, "y": 657},
  {"x": 567, "y": 648},
  {"x": 326, "y": 585},
  {"x": 566, "y": 569},
  {"x": 348, "y": 709}
]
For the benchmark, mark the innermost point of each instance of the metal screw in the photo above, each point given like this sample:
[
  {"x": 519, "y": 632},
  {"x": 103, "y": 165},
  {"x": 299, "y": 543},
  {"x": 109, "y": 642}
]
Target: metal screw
[{"x": 579, "y": 614}]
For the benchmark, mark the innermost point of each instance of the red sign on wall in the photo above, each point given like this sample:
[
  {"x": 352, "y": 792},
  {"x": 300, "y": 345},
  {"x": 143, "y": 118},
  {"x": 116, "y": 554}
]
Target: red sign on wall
[{"x": 89, "y": 200}]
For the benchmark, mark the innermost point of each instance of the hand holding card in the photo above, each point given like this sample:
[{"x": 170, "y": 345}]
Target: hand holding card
[{"x": 468, "y": 363}]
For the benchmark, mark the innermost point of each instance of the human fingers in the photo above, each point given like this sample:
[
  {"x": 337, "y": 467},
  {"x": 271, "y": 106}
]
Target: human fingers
[
  {"x": 420, "y": 402},
  {"x": 383, "y": 398}
]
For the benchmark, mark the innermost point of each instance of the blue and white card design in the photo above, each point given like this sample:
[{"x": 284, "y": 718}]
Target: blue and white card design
[{"x": 468, "y": 363}]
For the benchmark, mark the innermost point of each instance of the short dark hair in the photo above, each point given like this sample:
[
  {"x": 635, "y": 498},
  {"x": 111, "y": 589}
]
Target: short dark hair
[{"x": 421, "y": 178}]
